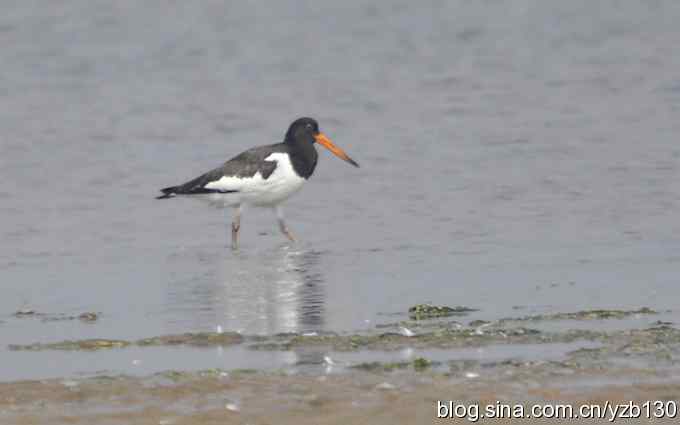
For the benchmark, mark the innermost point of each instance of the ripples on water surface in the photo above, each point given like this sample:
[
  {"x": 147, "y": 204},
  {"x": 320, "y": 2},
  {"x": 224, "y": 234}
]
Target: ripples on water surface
[{"x": 514, "y": 154}]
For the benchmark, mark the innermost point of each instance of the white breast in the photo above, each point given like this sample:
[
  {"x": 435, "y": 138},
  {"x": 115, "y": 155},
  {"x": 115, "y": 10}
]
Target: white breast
[{"x": 256, "y": 190}]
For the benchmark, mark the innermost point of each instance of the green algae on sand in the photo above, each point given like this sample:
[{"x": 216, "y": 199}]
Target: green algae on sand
[
  {"x": 435, "y": 334},
  {"x": 421, "y": 363},
  {"x": 200, "y": 339},
  {"x": 71, "y": 345},
  {"x": 429, "y": 311},
  {"x": 600, "y": 314}
]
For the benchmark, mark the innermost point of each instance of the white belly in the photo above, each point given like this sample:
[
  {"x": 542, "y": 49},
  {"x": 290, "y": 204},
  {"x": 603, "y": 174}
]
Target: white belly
[{"x": 256, "y": 190}]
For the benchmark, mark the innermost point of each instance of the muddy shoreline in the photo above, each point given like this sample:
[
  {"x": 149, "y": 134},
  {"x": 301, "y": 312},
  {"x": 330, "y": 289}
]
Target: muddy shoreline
[
  {"x": 641, "y": 364},
  {"x": 363, "y": 397}
]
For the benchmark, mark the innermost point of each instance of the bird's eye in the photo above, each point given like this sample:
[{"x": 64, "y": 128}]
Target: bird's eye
[{"x": 309, "y": 125}]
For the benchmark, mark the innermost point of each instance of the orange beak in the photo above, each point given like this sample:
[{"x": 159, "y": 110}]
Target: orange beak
[{"x": 326, "y": 142}]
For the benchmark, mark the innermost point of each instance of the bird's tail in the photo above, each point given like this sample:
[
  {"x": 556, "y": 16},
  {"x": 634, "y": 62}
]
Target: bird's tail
[{"x": 168, "y": 192}]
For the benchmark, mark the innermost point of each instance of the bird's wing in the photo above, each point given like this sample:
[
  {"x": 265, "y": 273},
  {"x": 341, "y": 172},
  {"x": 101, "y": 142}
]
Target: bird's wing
[{"x": 233, "y": 176}]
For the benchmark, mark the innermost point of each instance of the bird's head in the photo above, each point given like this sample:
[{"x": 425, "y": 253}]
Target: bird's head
[{"x": 307, "y": 130}]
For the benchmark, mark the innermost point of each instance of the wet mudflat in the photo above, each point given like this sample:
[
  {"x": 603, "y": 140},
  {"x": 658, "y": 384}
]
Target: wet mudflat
[{"x": 402, "y": 397}]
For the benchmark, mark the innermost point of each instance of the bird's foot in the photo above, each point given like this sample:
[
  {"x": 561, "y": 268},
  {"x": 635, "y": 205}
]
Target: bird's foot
[
  {"x": 289, "y": 235},
  {"x": 284, "y": 229},
  {"x": 234, "y": 236}
]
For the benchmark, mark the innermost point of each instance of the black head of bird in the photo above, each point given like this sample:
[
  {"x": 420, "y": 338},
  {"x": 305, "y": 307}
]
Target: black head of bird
[{"x": 306, "y": 130}]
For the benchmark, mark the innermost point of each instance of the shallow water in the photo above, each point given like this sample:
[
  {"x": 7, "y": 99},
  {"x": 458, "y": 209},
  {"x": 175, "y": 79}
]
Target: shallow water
[{"x": 517, "y": 157}]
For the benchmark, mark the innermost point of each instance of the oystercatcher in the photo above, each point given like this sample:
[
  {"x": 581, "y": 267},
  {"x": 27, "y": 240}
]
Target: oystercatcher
[{"x": 264, "y": 176}]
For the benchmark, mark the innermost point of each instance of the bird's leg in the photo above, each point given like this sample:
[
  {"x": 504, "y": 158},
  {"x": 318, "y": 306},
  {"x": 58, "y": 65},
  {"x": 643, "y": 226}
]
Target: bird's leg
[
  {"x": 235, "y": 226},
  {"x": 282, "y": 224}
]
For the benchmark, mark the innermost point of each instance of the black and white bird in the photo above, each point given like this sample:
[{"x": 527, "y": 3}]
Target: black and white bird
[{"x": 264, "y": 176}]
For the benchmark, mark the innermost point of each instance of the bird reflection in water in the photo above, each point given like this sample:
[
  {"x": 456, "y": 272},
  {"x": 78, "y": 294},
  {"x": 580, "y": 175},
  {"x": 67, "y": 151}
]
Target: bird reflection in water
[
  {"x": 278, "y": 291},
  {"x": 282, "y": 292},
  {"x": 266, "y": 292}
]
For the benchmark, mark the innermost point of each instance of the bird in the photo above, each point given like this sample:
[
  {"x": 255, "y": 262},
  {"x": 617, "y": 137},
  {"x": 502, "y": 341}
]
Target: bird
[{"x": 263, "y": 176}]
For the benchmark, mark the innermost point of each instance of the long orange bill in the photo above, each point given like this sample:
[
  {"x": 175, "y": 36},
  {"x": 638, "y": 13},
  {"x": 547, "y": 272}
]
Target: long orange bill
[{"x": 326, "y": 142}]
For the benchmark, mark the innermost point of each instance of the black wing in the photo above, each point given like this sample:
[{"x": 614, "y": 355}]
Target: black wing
[{"x": 246, "y": 164}]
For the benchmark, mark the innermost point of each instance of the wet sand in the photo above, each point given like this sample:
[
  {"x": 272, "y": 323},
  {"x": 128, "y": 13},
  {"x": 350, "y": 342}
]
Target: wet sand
[{"x": 404, "y": 397}]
